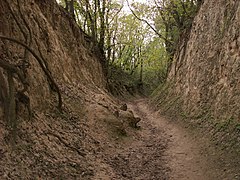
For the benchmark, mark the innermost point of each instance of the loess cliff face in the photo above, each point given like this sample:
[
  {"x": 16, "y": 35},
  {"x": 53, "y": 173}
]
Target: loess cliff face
[
  {"x": 53, "y": 144},
  {"x": 52, "y": 34},
  {"x": 206, "y": 69}
]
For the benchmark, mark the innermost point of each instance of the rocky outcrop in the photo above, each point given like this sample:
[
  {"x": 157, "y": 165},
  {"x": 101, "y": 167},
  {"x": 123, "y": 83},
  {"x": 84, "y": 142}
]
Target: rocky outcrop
[{"x": 206, "y": 68}]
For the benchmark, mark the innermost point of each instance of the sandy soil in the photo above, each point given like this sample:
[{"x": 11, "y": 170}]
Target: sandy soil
[
  {"x": 182, "y": 154},
  {"x": 163, "y": 149},
  {"x": 75, "y": 146}
]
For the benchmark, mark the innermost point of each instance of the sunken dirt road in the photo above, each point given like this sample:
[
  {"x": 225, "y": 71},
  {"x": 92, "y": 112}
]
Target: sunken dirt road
[{"x": 162, "y": 150}]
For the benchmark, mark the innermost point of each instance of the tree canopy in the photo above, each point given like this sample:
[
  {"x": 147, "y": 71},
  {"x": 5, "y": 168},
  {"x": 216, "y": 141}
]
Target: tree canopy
[{"x": 142, "y": 40}]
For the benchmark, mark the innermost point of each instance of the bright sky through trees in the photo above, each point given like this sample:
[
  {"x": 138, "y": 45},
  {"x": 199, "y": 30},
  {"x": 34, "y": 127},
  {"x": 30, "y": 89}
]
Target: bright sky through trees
[{"x": 126, "y": 8}]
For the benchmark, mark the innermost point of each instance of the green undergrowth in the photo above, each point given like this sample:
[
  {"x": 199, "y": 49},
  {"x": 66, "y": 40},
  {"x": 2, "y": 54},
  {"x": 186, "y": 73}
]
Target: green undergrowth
[{"x": 122, "y": 84}]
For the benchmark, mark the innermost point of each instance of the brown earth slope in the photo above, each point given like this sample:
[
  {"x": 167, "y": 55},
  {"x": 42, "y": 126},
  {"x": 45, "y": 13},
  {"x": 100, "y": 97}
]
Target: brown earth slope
[{"x": 54, "y": 144}]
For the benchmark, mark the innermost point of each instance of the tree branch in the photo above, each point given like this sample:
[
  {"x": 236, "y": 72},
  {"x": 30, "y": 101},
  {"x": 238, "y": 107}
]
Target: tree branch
[{"x": 143, "y": 20}]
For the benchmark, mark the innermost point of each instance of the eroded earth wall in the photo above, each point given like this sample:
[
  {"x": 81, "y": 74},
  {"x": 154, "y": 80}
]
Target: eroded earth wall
[
  {"x": 50, "y": 143},
  {"x": 51, "y": 32},
  {"x": 206, "y": 72}
]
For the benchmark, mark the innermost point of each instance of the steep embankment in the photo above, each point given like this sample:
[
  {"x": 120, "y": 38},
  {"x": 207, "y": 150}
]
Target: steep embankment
[
  {"x": 54, "y": 36},
  {"x": 53, "y": 144},
  {"x": 203, "y": 83}
]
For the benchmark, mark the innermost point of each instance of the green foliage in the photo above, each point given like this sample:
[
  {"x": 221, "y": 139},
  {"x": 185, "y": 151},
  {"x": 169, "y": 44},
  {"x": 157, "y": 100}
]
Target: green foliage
[
  {"x": 238, "y": 127},
  {"x": 141, "y": 43},
  {"x": 130, "y": 39},
  {"x": 155, "y": 64},
  {"x": 172, "y": 18},
  {"x": 121, "y": 83},
  {"x": 142, "y": 52}
]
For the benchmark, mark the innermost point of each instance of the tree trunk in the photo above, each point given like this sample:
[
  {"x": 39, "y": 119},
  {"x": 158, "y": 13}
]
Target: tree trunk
[{"x": 141, "y": 68}]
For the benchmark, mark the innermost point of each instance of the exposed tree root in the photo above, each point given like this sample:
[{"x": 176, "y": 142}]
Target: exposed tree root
[
  {"x": 66, "y": 144},
  {"x": 41, "y": 63}
]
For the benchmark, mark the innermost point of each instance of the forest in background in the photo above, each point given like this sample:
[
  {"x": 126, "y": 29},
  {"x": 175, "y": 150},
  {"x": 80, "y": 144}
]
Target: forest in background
[{"x": 138, "y": 38}]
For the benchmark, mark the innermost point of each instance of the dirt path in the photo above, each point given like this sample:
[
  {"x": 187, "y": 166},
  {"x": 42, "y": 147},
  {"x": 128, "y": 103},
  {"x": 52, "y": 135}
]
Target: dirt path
[
  {"x": 182, "y": 154},
  {"x": 161, "y": 150}
]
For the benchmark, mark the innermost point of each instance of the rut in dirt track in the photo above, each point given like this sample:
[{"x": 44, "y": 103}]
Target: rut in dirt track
[{"x": 161, "y": 150}]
